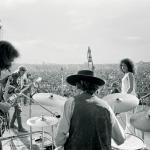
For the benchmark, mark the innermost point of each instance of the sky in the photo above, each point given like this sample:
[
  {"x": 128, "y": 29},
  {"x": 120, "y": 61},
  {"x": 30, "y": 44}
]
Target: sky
[{"x": 60, "y": 31}]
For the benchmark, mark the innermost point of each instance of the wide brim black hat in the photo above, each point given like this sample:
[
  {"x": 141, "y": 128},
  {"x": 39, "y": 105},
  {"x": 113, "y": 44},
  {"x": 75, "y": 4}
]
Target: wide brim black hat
[{"x": 85, "y": 75}]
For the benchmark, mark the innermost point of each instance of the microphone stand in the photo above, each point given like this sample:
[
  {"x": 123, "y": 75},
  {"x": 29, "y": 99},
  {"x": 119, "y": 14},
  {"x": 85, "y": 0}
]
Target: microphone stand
[
  {"x": 30, "y": 112},
  {"x": 54, "y": 114}
]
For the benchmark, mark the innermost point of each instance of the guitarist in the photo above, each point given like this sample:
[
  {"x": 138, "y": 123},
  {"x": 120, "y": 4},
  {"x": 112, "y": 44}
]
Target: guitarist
[
  {"x": 8, "y": 53},
  {"x": 14, "y": 85}
]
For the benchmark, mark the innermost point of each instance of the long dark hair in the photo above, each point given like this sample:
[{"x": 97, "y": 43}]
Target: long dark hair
[
  {"x": 7, "y": 55},
  {"x": 87, "y": 87},
  {"x": 130, "y": 65}
]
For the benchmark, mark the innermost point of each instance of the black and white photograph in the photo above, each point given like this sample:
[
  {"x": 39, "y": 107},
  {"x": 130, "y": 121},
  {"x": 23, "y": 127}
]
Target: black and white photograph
[{"x": 74, "y": 75}]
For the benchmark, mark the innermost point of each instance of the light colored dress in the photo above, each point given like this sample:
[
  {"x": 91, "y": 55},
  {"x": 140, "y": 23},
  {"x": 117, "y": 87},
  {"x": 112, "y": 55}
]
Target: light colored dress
[{"x": 126, "y": 84}]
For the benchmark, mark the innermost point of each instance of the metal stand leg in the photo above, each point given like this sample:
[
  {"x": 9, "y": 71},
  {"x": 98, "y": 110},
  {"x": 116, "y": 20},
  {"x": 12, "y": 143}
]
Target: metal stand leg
[
  {"x": 52, "y": 137},
  {"x": 30, "y": 138},
  {"x": 12, "y": 146},
  {"x": 42, "y": 147},
  {"x": 143, "y": 135},
  {"x": 30, "y": 111}
]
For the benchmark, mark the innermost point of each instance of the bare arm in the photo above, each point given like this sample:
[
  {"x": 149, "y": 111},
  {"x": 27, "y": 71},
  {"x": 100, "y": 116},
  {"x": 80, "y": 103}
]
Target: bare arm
[
  {"x": 64, "y": 125},
  {"x": 131, "y": 78},
  {"x": 117, "y": 131},
  {"x": 7, "y": 87}
]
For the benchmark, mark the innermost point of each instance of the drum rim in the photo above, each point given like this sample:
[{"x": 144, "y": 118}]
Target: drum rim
[
  {"x": 142, "y": 148},
  {"x": 135, "y": 136}
]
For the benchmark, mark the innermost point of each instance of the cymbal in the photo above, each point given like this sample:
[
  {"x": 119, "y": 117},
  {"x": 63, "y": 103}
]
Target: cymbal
[
  {"x": 121, "y": 102},
  {"x": 141, "y": 121},
  {"x": 50, "y": 99},
  {"x": 42, "y": 121}
]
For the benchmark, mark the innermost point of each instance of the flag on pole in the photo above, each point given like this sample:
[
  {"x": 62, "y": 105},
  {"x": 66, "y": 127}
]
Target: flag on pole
[
  {"x": 0, "y": 24},
  {"x": 90, "y": 61},
  {"x": 62, "y": 81},
  {"x": 89, "y": 55}
]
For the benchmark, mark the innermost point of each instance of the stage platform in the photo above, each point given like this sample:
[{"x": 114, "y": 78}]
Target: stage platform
[{"x": 23, "y": 142}]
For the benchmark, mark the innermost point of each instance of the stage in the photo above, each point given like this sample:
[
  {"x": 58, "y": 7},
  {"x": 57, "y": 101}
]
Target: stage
[{"x": 23, "y": 142}]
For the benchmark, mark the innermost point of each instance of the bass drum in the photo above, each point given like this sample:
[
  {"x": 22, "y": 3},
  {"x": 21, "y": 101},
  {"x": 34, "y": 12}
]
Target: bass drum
[{"x": 132, "y": 142}]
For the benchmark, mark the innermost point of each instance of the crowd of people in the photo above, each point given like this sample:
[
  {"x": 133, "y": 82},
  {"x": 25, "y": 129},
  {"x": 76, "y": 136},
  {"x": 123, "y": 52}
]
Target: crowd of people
[
  {"x": 83, "y": 88},
  {"x": 52, "y": 77}
]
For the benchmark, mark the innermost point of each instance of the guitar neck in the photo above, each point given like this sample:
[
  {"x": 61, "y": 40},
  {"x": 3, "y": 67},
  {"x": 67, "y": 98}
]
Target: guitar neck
[{"x": 14, "y": 97}]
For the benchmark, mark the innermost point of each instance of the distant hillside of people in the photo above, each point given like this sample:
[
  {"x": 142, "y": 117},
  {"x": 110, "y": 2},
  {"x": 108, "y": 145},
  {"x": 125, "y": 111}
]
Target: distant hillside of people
[{"x": 53, "y": 77}]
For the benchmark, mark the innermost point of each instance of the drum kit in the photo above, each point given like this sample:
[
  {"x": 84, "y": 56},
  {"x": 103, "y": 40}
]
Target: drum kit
[
  {"x": 120, "y": 103},
  {"x": 43, "y": 121},
  {"x": 50, "y": 99},
  {"x": 141, "y": 120}
]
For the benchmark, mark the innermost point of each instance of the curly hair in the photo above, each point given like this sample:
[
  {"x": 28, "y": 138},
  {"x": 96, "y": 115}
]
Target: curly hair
[
  {"x": 7, "y": 55},
  {"x": 129, "y": 64}
]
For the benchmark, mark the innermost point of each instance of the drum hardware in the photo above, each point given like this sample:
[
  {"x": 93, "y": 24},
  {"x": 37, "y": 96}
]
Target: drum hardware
[
  {"x": 132, "y": 142},
  {"x": 127, "y": 127},
  {"x": 20, "y": 135},
  {"x": 31, "y": 100},
  {"x": 39, "y": 139},
  {"x": 47, "y": 143},
  {"x": 46, "y": 99},
  {"x": 36, "y": 102},
  {"x": 54, "y": 114},
  {"x": 30, "y": 110},
  {"x": 10, "y": 139},
  {"x": 121, "y": 102},
  {"x": 142, "y": 101},
  {"x": 43, "y": 121},
  {"x": 141, "y": 121}
]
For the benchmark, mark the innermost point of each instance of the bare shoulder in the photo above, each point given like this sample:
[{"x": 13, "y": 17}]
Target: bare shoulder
[{"x": 130, "y": 74}]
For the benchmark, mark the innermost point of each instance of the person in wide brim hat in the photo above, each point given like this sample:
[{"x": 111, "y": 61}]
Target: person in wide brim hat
[
  {"x": 86, "y": 122},
  {"x": 84, "y": 75}
]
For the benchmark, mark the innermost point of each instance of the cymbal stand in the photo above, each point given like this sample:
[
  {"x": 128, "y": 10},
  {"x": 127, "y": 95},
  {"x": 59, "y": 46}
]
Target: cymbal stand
[
  {"x": 42, "y": 144},
  {"x": 124, "y": 124},
  {"x": 52, "y": 113},
  {"x": 56, "y": 115},
  {"x": 52, "y": 137},
  {"x": 30, "y": 112}
]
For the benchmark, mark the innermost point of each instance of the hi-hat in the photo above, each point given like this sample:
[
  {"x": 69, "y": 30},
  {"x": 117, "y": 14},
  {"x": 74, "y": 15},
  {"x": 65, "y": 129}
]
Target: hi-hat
[
  {"x": 141, "y": 121},
  {"x": 121, "y": 102},
  {"x": 42, "y": 121},
  {"x": 50, "y": 99}
]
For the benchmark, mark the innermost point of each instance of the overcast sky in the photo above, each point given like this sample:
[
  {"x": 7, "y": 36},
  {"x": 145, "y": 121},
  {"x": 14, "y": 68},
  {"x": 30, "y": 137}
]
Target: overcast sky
[{"x": 60, "y": 31}]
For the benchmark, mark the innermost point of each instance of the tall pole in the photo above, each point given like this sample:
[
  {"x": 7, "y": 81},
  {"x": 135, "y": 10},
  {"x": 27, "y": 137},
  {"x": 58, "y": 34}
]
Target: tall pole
[
  {"x": 90, "y": 61},
  {"x": 62, "y": 81},
  {"x": 1, "y": 28},
  {"x": 0, "y": 39}
]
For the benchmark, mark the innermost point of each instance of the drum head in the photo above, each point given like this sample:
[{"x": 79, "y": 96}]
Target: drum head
[{"x": 131, "y": 143}]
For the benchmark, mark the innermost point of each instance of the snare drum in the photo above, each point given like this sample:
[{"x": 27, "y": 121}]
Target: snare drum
[{"x": 132, "y": 142}]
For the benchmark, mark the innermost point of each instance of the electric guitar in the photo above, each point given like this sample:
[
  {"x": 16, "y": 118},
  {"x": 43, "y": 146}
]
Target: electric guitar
[{"x": 13, "y": 99}]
